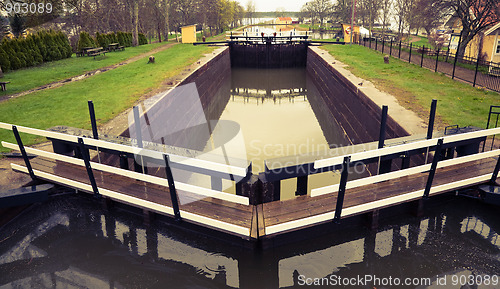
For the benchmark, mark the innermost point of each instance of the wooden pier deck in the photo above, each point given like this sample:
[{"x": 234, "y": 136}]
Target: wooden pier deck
[
  {"x": 284, "y": 216},
  {"x": 225, "y": 215},
  {"x": 237, "y": 214}
]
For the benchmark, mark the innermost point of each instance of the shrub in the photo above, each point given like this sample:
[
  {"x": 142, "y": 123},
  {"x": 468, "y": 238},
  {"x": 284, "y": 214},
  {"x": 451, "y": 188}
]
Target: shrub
[
  {"x": 4, "y": 60},
  {"x": 85, "y": 41},
  {"x": 142, "y": 39}
]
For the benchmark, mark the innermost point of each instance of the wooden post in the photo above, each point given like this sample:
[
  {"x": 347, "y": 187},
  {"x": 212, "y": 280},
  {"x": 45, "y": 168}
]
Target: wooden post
[
  {"x": 92, "y": 119},
  {"x": 341, "y": 194},
  {"x": 123, "y": 161},
  {"x": 252, "y": 189},
  {"x": 405, "y": 161},
  {"x": 23, "y": 153},
  {"x": 384, "y": 166},
  {"x": 432, "y": 116},
  {"x": 301, "y": 186},
  {"x": 432, "y": 172},
  {"x": 86, "y": 160},
  {"x": 495, "y": 173},
  {"x": 383, "y": 122},
  {"x": 171, "y": 188}
]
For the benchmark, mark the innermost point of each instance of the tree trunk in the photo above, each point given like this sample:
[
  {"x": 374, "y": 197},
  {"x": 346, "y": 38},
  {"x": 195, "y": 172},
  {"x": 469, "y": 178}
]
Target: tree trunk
[
  {"x": 135, "y": 22},
  {"x": 167, "y": 20},
  {"x": 464, "y": 41},
  {"x": 159, "y": 32}
]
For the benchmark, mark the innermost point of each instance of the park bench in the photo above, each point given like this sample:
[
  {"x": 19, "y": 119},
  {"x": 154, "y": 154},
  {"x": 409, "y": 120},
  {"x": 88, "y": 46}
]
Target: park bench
[
  {"x": 83, "y": 51},
  {"x": 121, "y": 48},
  {"x": 3, "y": 85},
  {"x": 495, "y": 71},
  {"x": 96, "y": 51},
  {"x": 113, "y": 46}
]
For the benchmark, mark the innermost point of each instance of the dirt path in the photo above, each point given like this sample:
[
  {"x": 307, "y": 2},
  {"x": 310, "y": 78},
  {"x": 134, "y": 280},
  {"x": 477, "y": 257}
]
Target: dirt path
[
  {"x": 87, "y": 74},
  {"x": 414, "y": 38}
]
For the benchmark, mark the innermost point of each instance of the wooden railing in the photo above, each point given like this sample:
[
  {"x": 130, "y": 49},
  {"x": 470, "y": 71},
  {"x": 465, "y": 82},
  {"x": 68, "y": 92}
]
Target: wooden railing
[
  {"x": 344, "y": 160},
  {"x": 90, "y": 143}
]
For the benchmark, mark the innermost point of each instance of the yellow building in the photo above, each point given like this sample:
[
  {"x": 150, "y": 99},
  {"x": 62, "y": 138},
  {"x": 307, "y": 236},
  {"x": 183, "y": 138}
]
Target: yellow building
[
  {"x": 189, "y": 33},
  {"x": 283, "y": 20},
  {"x": 485, "y": 45}
]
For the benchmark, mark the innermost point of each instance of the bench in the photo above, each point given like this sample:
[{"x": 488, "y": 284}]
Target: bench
[
  {"x": 83, "y": 51},
  {"x": 3, "y": 85},
  {"x": 96, "y": 51},
  {"x": 121, "y": 48},
  {"x": 494, "y": 71}
]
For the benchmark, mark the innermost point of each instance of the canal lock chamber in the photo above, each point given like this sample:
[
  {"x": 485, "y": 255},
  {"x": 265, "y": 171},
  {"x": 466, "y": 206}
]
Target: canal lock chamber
[{"x": 277, "y": 107}]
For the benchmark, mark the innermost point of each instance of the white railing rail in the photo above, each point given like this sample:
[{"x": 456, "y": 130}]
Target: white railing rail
[
  {"x": 193, "y": 162},
  {"x": 134, "y": 175},
  {"x": 337, "y": 160}
]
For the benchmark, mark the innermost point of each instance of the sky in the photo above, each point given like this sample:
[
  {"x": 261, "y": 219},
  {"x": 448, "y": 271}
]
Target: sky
[{"x": 272, "y": 5}]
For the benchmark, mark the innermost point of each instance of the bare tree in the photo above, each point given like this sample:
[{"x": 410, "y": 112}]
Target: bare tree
[
  {"x": 429, "y": 14},
  {"x": 319, "y": 9},
  {"x": 250, "y": 11},
  {"x": 342, "y": 10},
  {"x": 475, "y": 16},
  {"x": 280, "y": 12},
  {"x": 386, "y": 8}
]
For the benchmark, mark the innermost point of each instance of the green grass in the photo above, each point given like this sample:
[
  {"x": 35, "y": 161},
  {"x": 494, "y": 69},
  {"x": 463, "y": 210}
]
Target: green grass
[
  {"x": 415, "y": 87},
  {"x": 424, "y": 41},
  {"x": 29, "y": 78},
  {"x": 112, "y": 92}
]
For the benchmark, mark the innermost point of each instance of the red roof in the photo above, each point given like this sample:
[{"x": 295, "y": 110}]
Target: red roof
[{"x": 284, "y": 18}]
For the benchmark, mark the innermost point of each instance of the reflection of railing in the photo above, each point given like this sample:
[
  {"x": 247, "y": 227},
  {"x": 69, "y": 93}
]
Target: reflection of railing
[
  {"x": 258, "y": 93},
  {"x": 82, "y": 146}
]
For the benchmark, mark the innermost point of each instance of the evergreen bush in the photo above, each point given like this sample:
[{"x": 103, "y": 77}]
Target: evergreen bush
[
  {"x": 4, "y": 60},
  {"x": 142, "y": 39}
]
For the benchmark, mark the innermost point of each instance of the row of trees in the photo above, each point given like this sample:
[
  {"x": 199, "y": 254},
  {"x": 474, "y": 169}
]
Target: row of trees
[
  {"x": 103, "y": 40},
  {"x": 155, "y": 18},
  {"x": 33, "y": 50},
  {"x": 410, "y": 15}
]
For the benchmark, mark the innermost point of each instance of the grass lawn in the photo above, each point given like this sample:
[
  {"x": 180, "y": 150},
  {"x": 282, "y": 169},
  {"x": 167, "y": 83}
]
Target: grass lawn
[
  {"x": 29, "y": 78},
  {"x": 415, "y": 87},
  {"x": 112, "y": 92},
  {"x": 423, "y": 41}
]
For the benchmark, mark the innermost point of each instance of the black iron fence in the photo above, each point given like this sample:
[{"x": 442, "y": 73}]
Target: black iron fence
[{"x": 480, "y": 73}]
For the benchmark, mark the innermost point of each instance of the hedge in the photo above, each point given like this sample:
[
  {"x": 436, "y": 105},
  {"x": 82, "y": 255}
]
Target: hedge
[
  {"x": 103, "y": 40},
  {"x": 35, "y": 49}
]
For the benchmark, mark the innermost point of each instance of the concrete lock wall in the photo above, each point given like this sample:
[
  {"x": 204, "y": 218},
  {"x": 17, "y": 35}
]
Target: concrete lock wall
[{"x": 354, "y": 111}]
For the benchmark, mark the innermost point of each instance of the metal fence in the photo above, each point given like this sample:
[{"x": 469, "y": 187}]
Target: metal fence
[{"x": 480, "y": 73}]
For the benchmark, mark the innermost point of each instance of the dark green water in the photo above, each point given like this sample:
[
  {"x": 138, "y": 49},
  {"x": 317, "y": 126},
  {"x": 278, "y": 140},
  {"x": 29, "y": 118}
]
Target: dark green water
[{"x": 71, "y": 242}]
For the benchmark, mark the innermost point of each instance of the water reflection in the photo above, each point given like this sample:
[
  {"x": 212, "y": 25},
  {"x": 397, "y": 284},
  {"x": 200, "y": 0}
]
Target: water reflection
[{"x": 71, "y": 242}]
